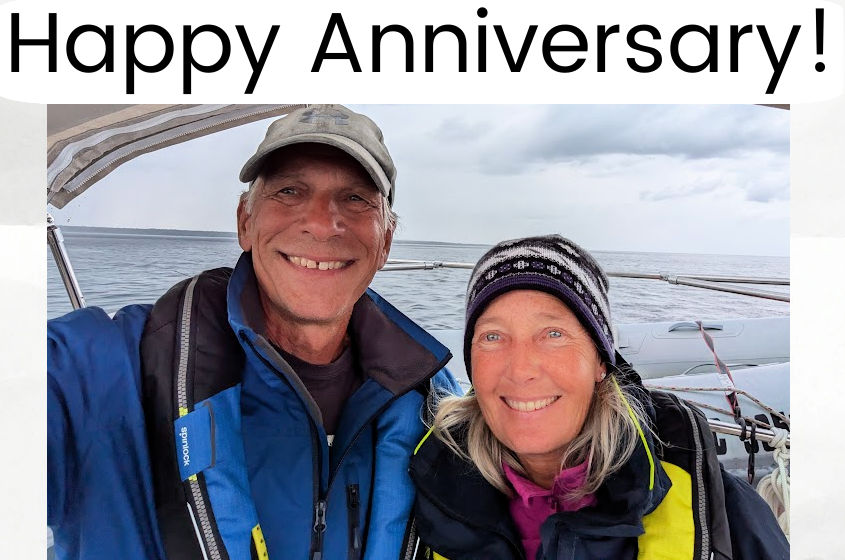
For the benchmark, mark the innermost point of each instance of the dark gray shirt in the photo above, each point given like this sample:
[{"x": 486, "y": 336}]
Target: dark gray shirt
[{"x": 330, "y": 385}]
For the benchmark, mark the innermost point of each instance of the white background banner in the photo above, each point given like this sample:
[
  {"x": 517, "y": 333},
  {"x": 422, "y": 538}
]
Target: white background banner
[{"x": 499, "y": 52}]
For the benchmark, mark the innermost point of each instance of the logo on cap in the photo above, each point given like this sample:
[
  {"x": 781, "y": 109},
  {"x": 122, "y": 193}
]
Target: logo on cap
[{"x": 314, "y": 116}]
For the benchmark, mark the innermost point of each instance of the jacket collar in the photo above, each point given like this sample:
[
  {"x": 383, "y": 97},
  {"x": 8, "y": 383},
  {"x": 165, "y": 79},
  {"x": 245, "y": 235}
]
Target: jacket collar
[{"x": 459, "y": 491}]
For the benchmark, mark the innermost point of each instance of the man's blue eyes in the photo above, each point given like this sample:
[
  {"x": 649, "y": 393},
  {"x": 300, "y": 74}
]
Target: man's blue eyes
[{"x": 294, "y": 190}]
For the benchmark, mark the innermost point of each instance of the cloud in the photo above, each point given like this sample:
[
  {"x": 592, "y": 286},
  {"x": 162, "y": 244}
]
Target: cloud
[
  {"x": 577, "y": 134},
  {"x": 768, "y": 188},
  {"x": 458, "y": 130},
  {"x": 681, "y": 191}
]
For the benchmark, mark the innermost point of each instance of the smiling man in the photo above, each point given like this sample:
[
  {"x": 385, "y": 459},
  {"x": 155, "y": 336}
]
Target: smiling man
[{"x": 262, "y": 412}]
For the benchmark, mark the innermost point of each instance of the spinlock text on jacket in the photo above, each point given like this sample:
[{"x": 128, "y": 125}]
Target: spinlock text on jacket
[{"x": 186, "y": 456}]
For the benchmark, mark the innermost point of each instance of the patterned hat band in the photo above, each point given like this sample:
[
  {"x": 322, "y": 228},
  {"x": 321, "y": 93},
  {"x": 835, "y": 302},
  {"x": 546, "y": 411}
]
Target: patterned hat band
[{"x": 550, "y": 264}]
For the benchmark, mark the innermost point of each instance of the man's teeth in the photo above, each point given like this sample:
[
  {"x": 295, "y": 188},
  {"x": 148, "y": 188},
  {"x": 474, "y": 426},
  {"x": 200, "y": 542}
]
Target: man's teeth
[
  {"x": 324, "y": 265},
  {"x": 529, "y": 406}
]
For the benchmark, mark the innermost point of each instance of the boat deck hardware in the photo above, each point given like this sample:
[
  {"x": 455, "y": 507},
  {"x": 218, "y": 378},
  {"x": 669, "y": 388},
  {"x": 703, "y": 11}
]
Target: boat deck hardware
[
  {"x": 57, "y": 245},
  {"x": 732, "y": 429}
]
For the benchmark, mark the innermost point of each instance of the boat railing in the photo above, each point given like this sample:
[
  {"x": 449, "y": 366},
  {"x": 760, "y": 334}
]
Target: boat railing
[
  {"x": 733, "y": 429},
  {"x": 57, "y": 246},
  {"x": 718, "y": 282}
]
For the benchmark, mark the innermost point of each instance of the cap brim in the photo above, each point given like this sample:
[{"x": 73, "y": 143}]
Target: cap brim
[{"x": 253, "y": 165}]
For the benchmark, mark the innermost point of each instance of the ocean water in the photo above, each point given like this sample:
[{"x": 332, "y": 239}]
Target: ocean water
[{"x": 118, "y": 267}]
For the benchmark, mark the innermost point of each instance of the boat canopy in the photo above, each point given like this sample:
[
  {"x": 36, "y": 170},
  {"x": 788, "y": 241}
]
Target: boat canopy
[{"x": 87, "y": 142}]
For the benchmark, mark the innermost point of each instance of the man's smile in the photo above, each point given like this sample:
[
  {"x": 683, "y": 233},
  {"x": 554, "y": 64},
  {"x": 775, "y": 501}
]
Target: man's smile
[{"x": 325, "y": 264}]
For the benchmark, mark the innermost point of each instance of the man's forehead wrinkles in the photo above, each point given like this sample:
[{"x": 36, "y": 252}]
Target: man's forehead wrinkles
[{"x": 277, "y": 174}]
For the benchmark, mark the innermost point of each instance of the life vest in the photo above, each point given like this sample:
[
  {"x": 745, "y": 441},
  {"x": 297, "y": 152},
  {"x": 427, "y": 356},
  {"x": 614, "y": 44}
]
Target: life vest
[
  {"x": 194, "y": 313},
  {"x": 690, "y": 520}
]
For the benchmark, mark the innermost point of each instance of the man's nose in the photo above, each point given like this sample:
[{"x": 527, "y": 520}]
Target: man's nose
[
  {"x": 523, "y": 364},
  {"x": 323, "y": 218}
]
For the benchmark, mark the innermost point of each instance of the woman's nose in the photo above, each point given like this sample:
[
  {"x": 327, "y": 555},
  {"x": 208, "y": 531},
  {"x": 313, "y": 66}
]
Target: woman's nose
[{"x": 523, "y": 364}]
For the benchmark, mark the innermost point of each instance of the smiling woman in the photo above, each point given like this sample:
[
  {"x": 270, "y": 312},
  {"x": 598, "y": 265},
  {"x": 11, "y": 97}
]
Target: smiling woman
[
  {"x": 559, "y": 451},
  {"x": 535, "y": 372}
]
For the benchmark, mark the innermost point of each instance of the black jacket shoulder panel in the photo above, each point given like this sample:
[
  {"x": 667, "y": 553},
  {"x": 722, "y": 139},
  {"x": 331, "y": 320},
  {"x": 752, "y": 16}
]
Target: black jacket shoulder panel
[
  {"x": 755, "y": 534},
  {"x": 450, "y": 488},
  {"x": 214, "y": 351}
]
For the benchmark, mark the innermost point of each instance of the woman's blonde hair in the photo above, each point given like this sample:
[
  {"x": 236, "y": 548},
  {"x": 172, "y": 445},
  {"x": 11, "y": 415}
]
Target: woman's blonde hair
[{"x": 607, "y": 439}]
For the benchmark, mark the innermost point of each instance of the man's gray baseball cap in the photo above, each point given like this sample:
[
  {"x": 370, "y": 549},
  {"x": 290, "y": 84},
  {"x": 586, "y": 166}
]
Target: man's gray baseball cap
[{"x": 336, "y": 126}]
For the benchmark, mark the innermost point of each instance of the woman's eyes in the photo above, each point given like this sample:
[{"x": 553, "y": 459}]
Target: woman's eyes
[{"x": 495, "y": 337}]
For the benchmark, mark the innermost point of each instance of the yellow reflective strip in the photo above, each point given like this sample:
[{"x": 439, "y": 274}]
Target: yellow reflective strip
[
  {"x": 260, "y": 545},
  {"x": 670, "y": 528},
  {"x": 192, "y": 477},
  {"x": 422, "y": 441},
  {"x": 640, "y": 431},
  {"x": 437, "y": 556},
  {"x": 182, "y": 411}
]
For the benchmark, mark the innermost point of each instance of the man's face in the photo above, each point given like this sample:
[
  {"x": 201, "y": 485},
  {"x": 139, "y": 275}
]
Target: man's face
[{"x": 316, "y": 233}]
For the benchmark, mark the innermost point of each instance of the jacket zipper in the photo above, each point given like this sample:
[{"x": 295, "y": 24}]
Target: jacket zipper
[
  {"x": 319, "y": 500},
  {"x": 319, "y": 529},
  {"x": 409, "y": 542},
  {"x": 353, "y": 503},
  {"x": 699, "y": 480},
  {"x": 196, "y": 503}
]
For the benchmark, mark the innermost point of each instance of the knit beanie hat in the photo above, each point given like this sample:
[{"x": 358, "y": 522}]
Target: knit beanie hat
[{"x": 551, "y": 264}]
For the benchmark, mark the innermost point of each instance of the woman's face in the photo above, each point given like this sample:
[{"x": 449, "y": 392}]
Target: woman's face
[{"x": 534, "y": 369}]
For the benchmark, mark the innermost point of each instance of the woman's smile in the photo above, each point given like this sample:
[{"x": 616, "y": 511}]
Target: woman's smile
[{"x": 529, "y": 405}]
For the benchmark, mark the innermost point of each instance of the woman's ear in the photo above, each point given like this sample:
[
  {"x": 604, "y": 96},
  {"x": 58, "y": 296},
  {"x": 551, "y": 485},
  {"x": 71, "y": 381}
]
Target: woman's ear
[{"x": 601, "y": 373}]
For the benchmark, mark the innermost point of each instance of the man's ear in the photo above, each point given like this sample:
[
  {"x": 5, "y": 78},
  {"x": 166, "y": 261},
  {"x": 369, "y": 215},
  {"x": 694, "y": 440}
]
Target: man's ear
[
  {"x": 244, "y": 225},
  {"x": 388, "y": 240}
]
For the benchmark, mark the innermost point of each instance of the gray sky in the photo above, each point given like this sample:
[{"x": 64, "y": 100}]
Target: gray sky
[{"x": 682, "y": 178}]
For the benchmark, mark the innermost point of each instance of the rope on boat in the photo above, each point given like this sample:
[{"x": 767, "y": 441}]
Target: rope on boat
[
  {"x": 774, "y": 487},
  {"x": 724, "y": 374},
  {"x": 743, "y": 392},
  {"x": 724, "y": 411}
]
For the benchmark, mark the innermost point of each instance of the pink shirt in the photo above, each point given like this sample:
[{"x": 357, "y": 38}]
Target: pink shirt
[{"x": 532, "y": 504}]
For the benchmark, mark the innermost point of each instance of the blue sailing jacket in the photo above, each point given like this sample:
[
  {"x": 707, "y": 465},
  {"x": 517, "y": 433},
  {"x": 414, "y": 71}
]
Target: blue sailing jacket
[{"x": 255, "y": 454}]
